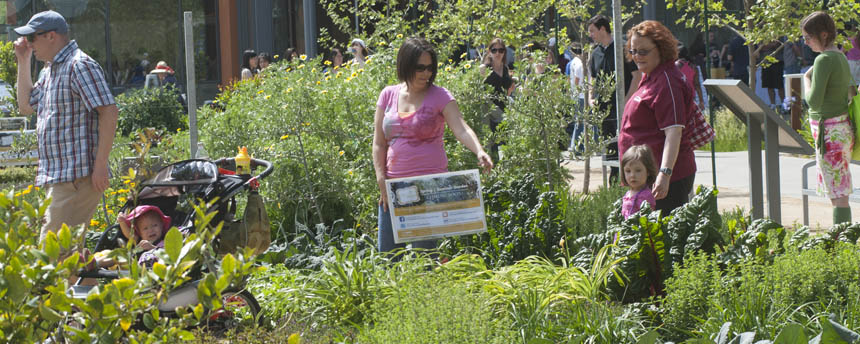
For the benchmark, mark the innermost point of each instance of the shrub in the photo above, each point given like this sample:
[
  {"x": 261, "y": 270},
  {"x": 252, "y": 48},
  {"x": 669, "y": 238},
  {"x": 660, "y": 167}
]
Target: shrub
[
  {"x": 797, "y": 288},
  {"x": 150, "y": 108},
  {"x": 34, "y": 283},
  {"x": 16, "y": 176},
  {"x": 435, "y": 309}
]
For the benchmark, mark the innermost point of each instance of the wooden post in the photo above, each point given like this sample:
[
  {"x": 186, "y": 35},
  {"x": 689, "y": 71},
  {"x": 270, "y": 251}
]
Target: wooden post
[
  {"x": 796, "y": 106},
  {"x": 228, "y": 29}
]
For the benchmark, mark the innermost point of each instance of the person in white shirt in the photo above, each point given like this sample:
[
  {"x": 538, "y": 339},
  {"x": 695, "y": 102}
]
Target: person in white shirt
[{"x": 575, "y": 73}]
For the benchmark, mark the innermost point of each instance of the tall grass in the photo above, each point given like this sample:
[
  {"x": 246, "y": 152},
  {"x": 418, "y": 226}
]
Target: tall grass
[{"x": 731, "y": 132}]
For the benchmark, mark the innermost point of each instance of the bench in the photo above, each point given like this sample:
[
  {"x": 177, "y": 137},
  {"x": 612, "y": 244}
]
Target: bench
[{"x": 806, "y": 191}]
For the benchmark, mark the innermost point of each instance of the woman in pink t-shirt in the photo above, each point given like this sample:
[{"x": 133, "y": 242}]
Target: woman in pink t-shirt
[{"x": 409, "y": 126}]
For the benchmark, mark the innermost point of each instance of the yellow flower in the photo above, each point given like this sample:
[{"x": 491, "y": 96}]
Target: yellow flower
[
  {"x": 301, "y": 66},
  {"x": 463, "y": 55},
  {"x": 338, "y": 74},
  {"x": 289, "y": 90},
  {"x": 318, "y": 82},
  {"x": 561, "y": 242},
  {"x": 467, "y": 66},
  {"x": 340, "y": 153},
  {"x": 303, "y": 57},
  {"x": 307, "y": 124},
  {"x": 349, "y": 172},
  {"x": 399, "y": 35},
  {"x": 450, "y": 61},
  {"x": 439, "y": 64},
  {"x": 110, "y": 211},
  {"x": 361, "y": 70},
  {"x": 328, "y": 78},
  {"x": 267, "y": 97},
  {"x": 122, "y": 199},
  {"x": 348, "y": 80},
  {"x": 276, "y": 56},
  {"x": 380, "y": 44},
  {"x": 354, "y": 74},
  {"x": 37, "y": 188},
  {"x": 285, "y": 137},
  {"x": 323, "y": 91},
  {"x": 313, "y": 70},
  {"x": 131, "y": 185},
  {"x": 26, "y": 191},
  {"x": 178, "y": 129},
  {"x": 336, "y": 67},
  {"x": 94, "y": 223},
  {"x": 279, "y": 205},
  {"x": 288, "y": 69},
  {"x": 448, "y": 69},
  {"x": 126, "y": 181},
  {"x": 260, "y": 92},
  {"x": 327, "y": 63}
]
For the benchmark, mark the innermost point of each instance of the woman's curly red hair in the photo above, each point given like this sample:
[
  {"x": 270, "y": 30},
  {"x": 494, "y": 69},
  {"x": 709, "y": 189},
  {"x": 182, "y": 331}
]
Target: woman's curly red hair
[{"x": 666, "y": 42}]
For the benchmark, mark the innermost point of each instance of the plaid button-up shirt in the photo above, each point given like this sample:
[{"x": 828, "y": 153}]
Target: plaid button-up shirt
[{"x": 65, "y": 98}]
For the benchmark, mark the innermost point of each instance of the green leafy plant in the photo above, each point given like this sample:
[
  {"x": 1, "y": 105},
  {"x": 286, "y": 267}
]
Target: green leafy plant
[
  {"x": 436, "y": 309},
  {"x": 150, "y": 108}
]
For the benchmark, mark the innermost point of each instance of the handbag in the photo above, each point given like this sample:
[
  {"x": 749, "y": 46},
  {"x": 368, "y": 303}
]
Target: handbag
[
  {"x": 854, "y": 118},
  {"x": 701, "y": 133}
]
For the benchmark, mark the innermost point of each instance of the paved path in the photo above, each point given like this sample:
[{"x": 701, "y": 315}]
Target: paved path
[{"x": 733, "y": 184}]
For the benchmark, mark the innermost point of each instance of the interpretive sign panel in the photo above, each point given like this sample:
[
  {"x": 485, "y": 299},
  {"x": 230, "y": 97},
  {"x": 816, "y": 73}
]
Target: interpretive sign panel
[{"x": 436, "y": 206}]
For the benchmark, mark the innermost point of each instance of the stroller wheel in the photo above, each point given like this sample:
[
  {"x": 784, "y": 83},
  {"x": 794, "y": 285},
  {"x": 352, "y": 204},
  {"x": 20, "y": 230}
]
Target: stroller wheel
[{"x": 240, "y": 309}]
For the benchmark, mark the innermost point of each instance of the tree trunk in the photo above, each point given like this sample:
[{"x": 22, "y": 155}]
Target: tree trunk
[
  {"x": 750, "y": 47},
  {"x": 586, "y": 175}
]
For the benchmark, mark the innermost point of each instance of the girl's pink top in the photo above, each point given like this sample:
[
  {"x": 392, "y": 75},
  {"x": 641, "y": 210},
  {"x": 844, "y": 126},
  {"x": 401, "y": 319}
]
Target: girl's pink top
[
  {"x": 854, "y": 53},
  {"x": 632, "y": 201},
  {"x": 415, "y": 145}
]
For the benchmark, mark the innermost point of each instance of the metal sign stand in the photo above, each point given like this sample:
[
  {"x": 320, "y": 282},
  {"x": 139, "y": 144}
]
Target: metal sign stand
[{"x": 762, "y": 124}]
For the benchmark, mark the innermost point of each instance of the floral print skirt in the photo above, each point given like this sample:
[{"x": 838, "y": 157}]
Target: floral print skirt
[{"x": 834, "y": 177}]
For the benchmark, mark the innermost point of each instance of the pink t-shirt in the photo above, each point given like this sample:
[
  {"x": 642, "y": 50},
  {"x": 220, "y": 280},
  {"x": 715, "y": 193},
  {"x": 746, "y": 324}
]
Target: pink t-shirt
[
  {"x": 632, "y": 201},
  {"x": 415, "y": 145}
]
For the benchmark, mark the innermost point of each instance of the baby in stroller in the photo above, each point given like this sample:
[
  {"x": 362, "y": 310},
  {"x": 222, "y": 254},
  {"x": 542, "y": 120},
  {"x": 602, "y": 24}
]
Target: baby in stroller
[{"x": 146, "y": 225}]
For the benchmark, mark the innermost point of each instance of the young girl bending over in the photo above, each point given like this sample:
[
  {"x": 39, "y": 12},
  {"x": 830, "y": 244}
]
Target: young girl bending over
[{"x": 638, "y": 172}]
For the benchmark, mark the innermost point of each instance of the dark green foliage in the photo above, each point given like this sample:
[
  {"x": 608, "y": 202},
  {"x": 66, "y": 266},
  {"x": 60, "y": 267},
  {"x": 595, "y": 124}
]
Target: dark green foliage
[
  {"x": 308, "y": 247},
  {"x": 150, "y": 108},
  {"x": 764, "y": 239},
  {"x": 652, "y": 244},
  {"x": 843, "y": 232},
  {"x": 523, "y": 219}
]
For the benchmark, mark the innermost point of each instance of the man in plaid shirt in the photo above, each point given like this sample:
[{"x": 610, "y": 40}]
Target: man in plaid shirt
[{"x": 76, "y": 119}]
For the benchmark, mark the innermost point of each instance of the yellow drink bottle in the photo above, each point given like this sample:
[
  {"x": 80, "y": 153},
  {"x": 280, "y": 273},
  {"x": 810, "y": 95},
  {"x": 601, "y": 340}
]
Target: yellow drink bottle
[{"x": 243, "y": 161}]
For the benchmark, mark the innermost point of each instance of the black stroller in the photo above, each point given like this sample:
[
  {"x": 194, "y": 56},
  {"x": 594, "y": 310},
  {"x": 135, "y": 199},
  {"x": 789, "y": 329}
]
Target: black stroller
[{"x": 171, "y": 189}]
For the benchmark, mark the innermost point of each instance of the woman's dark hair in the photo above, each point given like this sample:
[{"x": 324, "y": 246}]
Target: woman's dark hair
[
  {"x": 265, "y": 56},
  {"x": 499, "y": 41},
  {"x": 246, "y": 58},
  {"x": 817, "y": 23},
  {"x": 600, "y": 22},
  {"x": 666, "y": 43},
  {"x": 643, "y": 154},
  {"x": 408, "y": 55},
  {"x": 334, "y": 52},
  {"x": 288, "y": 54},
  {"x": 684, "y": 53}
]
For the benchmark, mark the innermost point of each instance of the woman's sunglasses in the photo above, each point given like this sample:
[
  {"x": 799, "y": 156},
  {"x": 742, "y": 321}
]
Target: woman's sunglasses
[
  {"x": 421, "y": 68},
  {"x": 640, "y": 52},
  {"x": 32, "y": 37},
  {"x": 497, "y": 50}
]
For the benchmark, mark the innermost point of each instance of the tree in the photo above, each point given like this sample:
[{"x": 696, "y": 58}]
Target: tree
[{"x": 763, "y": 21}]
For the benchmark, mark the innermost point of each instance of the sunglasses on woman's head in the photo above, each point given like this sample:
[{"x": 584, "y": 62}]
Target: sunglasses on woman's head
[
  {"x": 421, "y": 68},
  {"x": 497, "y": 50}
]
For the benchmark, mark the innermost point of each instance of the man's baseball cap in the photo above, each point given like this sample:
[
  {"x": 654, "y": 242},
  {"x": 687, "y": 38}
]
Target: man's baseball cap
[{"x": 44, "y": 21}]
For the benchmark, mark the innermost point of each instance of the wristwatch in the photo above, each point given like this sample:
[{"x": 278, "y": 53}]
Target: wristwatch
[{"x": 667, "y": 171}]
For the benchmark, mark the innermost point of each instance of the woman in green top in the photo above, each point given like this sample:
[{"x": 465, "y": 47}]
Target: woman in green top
[{"x": 829, "y": 85}]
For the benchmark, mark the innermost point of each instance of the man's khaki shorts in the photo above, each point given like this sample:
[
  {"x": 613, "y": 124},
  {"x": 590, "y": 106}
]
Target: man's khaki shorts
[{"x": 73, "y": 203}]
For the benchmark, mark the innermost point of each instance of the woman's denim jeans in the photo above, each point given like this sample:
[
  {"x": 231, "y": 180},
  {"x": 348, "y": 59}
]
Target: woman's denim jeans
[{"x": 386, "y": 235}]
